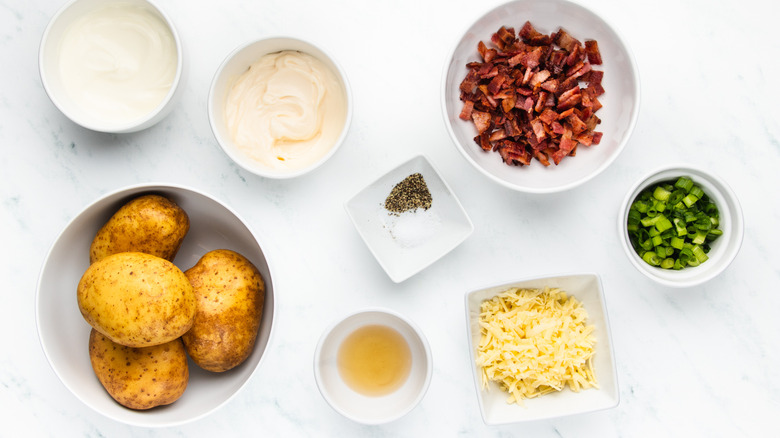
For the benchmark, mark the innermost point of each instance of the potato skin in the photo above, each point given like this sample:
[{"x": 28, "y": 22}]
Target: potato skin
[
  {"x": 230, "y": 293},
  {"x": 140, "y": 378},
  {"x": 137, "y": 299},
  {"x": 152, "y": 224}
]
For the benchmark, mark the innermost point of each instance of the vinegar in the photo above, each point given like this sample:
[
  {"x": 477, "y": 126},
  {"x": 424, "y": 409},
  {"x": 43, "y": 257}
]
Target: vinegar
[{"x": 374, "y": 360}]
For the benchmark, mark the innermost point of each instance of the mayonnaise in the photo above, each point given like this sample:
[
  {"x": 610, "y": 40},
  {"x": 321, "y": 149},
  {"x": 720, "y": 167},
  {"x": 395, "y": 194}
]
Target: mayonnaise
[
  {"x": 118, "y": 62},
  {"x": 287, "y": 111}
]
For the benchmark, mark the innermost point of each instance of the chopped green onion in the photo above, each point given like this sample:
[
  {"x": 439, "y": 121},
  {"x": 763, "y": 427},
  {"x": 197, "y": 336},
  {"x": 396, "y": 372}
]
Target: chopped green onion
[
  {"x": 661, "y": 193},
  {"x": 684, "y": 184},
  {"x": 672, "y": 224},
  {"x": 696, "y": 191},
  {"x": 663, "y": 224},
  {"x": 698, "y": 252},
  {"x": 651, "y": 258},
  {"x": 689, "y": 200}
]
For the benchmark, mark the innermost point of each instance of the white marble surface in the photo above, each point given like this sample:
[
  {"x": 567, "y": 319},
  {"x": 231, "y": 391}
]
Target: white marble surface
[{"x": 695, "y": 362}]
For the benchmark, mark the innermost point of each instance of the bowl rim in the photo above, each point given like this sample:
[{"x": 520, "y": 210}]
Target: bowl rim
[
  {"x": 242, "y": 161},
  {"x": 608, "y": 338},
  {"x": 636, "y": 107},
  {"x": 418, "y": 333},
  {"x": 137, "y": 188},
  {"x": 723, "y": 189},
  {"x": 134, "y": 125}
]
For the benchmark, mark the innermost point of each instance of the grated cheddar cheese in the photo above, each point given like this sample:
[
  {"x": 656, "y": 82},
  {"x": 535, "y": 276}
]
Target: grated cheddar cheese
[{"x": 535, "y": 342}]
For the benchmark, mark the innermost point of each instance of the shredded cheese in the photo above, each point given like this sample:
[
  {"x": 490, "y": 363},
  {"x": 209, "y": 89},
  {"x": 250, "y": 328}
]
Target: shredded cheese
[{"x": 535, "y": 342}]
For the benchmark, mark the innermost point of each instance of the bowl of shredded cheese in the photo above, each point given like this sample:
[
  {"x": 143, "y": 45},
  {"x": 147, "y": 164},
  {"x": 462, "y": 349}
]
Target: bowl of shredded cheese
[{"x": 541, "y": 348}]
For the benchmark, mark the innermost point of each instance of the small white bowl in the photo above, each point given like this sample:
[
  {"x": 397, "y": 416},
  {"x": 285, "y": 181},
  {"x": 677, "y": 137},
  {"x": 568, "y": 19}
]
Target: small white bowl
[
  {"x": 587, "y": 289},
  {"x": 354, "y": 405},
  {"x": 406, "y": 244},
  {"x": 238, "y": 62},
  {"x": 621, "y": 99},
  {"x": 723, "y": 250},
  {"x": 64, "y": 334},
  {"x": 49, "y": 68}
]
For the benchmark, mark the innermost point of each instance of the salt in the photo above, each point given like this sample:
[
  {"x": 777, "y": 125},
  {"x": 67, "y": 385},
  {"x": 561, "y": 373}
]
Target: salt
[{"x": 413, "y": 228}]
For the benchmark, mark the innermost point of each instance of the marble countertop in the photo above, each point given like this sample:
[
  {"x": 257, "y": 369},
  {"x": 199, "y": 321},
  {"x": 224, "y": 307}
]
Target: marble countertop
[{"x": 701, "y": 361}]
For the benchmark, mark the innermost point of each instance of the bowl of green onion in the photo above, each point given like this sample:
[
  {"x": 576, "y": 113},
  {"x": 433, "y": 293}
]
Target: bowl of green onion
[{"x": 681, "y": 225}]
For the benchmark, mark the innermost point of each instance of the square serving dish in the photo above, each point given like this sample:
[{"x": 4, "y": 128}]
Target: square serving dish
[
  {"x": 406, "y": 243},
  {"x": 587, "y": 289}
]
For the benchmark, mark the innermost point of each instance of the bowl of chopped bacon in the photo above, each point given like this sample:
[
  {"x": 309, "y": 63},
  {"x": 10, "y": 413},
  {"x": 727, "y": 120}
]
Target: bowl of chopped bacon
[{"x": 540, "y": 96}]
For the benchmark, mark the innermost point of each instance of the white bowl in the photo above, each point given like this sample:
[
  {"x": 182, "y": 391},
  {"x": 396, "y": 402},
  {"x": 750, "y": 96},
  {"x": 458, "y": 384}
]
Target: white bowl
[
  {"x": 354, "y": 405},
  {"x": 723, "y": 250},
  {"x": 621, "y": 99},
  {"x": 49, "y": 67},
  {"x": 238, "y": 62},
  {"x": 587, "y": 289},
  {"x": 406, "y": 244},
  {"x": 64, "y": 334}
]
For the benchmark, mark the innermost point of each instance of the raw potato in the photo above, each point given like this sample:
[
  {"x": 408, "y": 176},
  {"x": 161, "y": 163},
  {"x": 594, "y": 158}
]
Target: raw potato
[
  {"x": 137, "y": 299},
  {"x": 140, "y": 378},
  {"x": 151, "y": 224},
  {"x": 230, "y": 293}
]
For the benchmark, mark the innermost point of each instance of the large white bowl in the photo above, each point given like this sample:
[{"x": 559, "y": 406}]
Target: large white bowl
[
  {"x": 49, "y": 67},
  {"x": 621, "y": 99},
  {"x": 723, "y": 250},
  {"x": 587, "y": 289},
  {"x": 366, "y": 409},
  {"x": 64, "y": 334},
  {"x": 235, "y": 64}
]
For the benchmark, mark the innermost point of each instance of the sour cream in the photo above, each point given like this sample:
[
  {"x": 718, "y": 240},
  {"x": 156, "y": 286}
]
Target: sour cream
[
  {"x": 118, "y": 63},
  {"x": 286, "y": 111}
]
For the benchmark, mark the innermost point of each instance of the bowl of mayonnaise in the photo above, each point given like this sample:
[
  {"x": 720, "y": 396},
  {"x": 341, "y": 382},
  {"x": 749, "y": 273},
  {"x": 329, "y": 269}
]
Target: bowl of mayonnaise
[
  {"x": 279, "y": 107},
  {"x": 112, "y": 65}
]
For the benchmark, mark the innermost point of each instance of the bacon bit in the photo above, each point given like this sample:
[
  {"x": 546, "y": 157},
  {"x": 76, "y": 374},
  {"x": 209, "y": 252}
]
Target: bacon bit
[
  {"x": 481, "y": 120},
  {"x": 592, "y": 50},
  {"x": 468, "y": 107},
  {"x": 525, "y": 97}
]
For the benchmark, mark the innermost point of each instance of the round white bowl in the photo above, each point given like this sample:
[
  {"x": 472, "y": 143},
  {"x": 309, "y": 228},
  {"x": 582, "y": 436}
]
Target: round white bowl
[
  {"x": 49, "y": 68},
  {"x": 64, "y": 334},
  {"x": 723, "y": 250},
  {"x": 620, "y": 102},
  {"x": 235, "y": 64},
  {"x": 358, "y": 407}
]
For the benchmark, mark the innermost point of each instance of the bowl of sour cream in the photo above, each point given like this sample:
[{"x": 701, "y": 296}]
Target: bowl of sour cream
[
  {"x": 279, "y": 107},
  {"x": 112, "y": 65}
]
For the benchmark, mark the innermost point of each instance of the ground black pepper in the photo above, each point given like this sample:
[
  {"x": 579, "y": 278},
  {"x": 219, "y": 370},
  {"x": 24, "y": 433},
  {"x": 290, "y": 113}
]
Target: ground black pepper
[{"x": 410, "y": 194}]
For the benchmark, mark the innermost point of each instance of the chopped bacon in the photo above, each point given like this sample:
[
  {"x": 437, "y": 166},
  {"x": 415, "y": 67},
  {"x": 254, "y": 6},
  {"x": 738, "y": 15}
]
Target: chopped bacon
[
  {"x": 468, "y": 107},
  {"x": 525, "y": 95},
  {"x": 481, "y": 120},
  {"x": 530, "y": 35},
  {"x": 592, "y": 50},
  {"x": 565, "y": 41}
]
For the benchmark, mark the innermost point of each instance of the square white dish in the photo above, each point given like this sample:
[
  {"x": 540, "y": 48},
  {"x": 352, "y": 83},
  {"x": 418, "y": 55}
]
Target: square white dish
[
  {"x": 406, "y": 243},
  {"x": 494, "y": 408}
]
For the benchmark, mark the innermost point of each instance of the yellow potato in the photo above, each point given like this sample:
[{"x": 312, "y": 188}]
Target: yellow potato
[
  {"x": 137, "y": 299},
  {"x": 230, "y": 293},
  {"x": 151, "y": 223},
  {"x": 140, "y": 378}
]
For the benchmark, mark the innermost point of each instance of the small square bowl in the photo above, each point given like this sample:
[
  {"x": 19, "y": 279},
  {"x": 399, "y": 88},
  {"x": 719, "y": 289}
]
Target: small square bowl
[
  {"x": 723, "y": 250},
  {"x": 406, "y": 243},
  {"x": 587, "y": 289}
]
